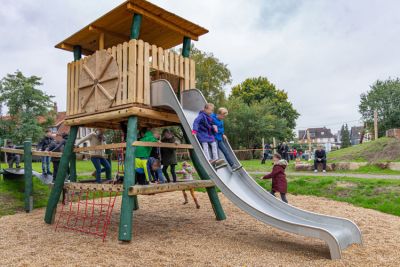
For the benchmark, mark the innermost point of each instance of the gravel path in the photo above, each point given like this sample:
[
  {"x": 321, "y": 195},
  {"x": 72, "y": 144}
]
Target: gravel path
[
  {"x": 354, "y": 175},
  {"x": 167, "y": 233}
]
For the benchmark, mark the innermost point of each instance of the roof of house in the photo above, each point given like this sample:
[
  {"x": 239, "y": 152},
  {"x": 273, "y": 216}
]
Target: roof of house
[
  {"x": 316, "y": 133},
  {"x": 158, "y": 27}
]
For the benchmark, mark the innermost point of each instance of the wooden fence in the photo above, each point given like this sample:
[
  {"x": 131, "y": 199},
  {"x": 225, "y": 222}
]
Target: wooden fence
[{"x": 138, "y": 63}]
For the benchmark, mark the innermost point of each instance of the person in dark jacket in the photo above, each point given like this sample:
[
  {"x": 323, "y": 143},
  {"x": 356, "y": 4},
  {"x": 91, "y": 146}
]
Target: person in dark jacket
[
  {"x": 168, "y": 155},
  {"x": 204, "y": 130},
  {"x": 278, "y": 176},
  {"x": 43, "y": 145},
  {"x": 57, "y": 146},
  {"x": 320, "y": 157},
  {"x": 267, "y": 153},
  {"x": 283, "y": 150},
  {"x": 12, "y": 157}
]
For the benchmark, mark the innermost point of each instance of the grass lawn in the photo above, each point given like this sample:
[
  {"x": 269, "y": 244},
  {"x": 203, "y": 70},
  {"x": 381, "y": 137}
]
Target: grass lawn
[
  {"x": 377, "y": 194},
  {"x": 383, "y": 195},
  {"x": 12, "y": 195}
]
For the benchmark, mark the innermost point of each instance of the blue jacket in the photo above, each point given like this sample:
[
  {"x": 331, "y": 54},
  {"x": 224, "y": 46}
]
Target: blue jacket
[
  {"x": 203, "y": 128},
  {"x": 220, "y": 124}
]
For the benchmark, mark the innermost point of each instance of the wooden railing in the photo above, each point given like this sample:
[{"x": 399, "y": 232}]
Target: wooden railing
[{"x": 138, "y": 63}]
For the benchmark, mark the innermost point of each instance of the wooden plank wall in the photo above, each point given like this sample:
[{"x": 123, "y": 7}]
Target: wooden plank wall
[{"x": 136, "y": 61}]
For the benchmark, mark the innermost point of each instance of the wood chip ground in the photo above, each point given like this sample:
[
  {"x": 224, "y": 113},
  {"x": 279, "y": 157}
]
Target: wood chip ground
[{"x": 167, "y": 233}]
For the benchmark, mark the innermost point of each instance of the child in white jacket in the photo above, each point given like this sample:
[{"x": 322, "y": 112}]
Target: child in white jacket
[{"x": 187, "y": 172}]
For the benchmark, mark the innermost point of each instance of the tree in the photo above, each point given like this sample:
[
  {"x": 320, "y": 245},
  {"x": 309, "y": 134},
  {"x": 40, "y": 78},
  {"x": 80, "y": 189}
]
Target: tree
[
  {"x": 384, "y": 97},
  {"x": 30, "y": 109},
  {"x": 344, "y": 132},
  {"x": 211, "y": 76},
  {"x": 254, "y": 90},
  {"x": 247, "y": 124}
]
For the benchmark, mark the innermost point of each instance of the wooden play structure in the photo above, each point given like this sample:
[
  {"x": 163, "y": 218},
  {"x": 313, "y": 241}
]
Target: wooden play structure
[{"x": 125, "y": 50}]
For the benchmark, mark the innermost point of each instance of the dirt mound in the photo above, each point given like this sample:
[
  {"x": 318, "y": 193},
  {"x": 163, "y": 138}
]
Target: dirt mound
[{"x": 383, "y": 149}]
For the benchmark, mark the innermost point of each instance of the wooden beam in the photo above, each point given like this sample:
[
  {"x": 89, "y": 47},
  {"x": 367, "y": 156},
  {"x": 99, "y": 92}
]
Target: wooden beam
[
  {"x": 100, "y": 147},
  {"x": 166, "y": 145},
  {"x": 94, "y": 187},
  {"x": 136, "y": 9},
  {"x": 70, "y": 47},
  {"x": 111, "y": 33},
  {"x": 124, "y": 113},
  {"x": 169, "y": 187},
  {"x": 34, "y": 153},
  {"x": 101, "y": 41}
]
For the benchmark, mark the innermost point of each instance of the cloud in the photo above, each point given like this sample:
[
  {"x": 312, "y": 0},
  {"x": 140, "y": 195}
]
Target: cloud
[{"x": 323, "y": 53}]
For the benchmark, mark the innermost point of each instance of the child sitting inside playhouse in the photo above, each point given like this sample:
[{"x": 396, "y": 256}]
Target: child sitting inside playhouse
[
  {"x": 204, "y": 131},
  {"x": 187, "y": 172},
  {"x": 146, "y": 168},
  {"x": 279, "y": 183}
]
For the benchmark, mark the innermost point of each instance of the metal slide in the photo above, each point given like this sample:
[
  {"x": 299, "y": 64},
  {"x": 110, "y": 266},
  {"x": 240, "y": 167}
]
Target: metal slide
[{"x": 244, "y": 192}]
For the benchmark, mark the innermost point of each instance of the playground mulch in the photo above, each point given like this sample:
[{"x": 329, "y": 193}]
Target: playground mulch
[{"x": 167, "y": 233}]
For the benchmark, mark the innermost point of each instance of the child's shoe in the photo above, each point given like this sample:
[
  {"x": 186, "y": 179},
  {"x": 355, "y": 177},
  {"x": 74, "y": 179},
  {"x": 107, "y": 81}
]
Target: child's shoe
[
  {"x": 184, "y": 203},
  {"x": 315, "y": 170},
  {"x": 324, "y": 171},
  {"x": 219, "y": 162},
  {"x": 236, "y": 167},
  {"x": 197, "y": 206}
]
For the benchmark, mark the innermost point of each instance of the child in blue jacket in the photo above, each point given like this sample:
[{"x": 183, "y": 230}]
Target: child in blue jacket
[
  {"x": 218, "y": 121},
  {"x": 204, "y": 131}
]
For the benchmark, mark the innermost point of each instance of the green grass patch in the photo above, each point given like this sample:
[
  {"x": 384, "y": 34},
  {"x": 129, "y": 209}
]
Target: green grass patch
[
  {"x": 377, "y": 194},
  {"x": 381, "y": 150},
  {"x": 12, "y": 195}
]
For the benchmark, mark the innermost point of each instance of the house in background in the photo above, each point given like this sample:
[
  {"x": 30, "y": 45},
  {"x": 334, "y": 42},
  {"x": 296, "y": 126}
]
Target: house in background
[
  {"x": 319, "y": 136},
  {"x": 59, "y": 127}
]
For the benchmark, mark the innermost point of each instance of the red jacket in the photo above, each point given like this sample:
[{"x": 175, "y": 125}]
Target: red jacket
[{"x": 279, "y": 183}]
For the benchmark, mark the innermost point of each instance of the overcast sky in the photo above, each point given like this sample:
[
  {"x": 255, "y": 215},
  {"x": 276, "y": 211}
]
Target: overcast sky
[{"x": 323, "y": 53}]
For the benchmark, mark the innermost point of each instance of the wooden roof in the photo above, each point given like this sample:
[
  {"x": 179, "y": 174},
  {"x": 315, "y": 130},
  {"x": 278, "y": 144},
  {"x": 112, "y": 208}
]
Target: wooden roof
[{"x": 159, "y": 27}]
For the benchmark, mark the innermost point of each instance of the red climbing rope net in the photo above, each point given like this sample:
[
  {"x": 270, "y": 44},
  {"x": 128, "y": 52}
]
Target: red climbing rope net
[{"x": 87, "y": 212}]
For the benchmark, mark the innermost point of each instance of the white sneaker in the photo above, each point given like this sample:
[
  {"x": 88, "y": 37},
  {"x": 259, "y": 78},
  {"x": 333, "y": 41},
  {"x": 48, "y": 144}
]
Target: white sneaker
[
  {"x": 315, "y": 170},
  {"x": 323, "y": 171}
]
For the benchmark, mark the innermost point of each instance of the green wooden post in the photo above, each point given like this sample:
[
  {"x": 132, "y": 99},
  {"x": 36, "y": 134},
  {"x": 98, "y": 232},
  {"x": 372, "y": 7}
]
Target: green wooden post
[
  {"x": 186, "y": 47},
  {"x": 128, "y": 202},
  {"x": 185, "y": 53},
  {"x": 211, "y": 191},
  {"x": 135, "y": 32},
  {"x": 135, "y": 26},
  {"x": 72, "y": 168},
  {"x": 77, "y": 52},
  {"x": 28, "y": 176},
  {"x": 62, "y": 172},
  {"x": 72, "y": 163}
]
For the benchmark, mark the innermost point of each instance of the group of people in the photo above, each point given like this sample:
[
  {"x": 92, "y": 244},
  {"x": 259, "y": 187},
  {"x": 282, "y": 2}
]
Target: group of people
[
  {"x": 282, "y": 149},
  {"x": 152, "y": 163}
]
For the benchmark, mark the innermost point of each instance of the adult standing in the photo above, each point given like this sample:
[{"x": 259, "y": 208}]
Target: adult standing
[
  {"x": 267, "y": 153},
  {"x": 168, "y": 155},
  {"x": 43, "y": 145},
  {"x": 97, "y": 138},
  {"x": 57, "y": 146}
]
